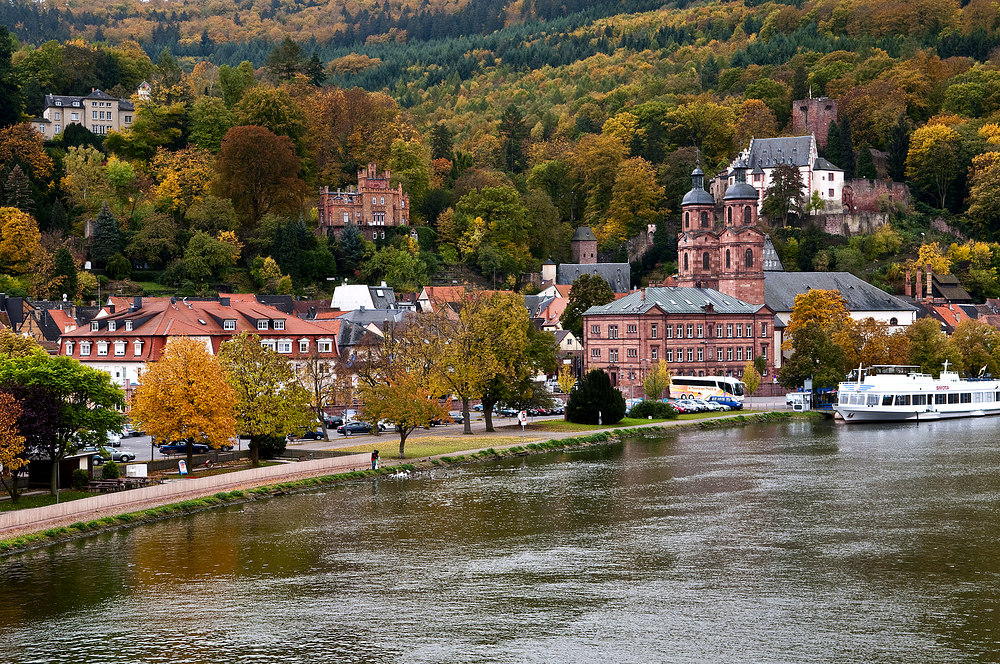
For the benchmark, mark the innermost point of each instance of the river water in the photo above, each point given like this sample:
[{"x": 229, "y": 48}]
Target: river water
[{"x": 794, "y": 542}]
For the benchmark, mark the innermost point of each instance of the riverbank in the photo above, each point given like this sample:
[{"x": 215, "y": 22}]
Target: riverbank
[{"x": 36, "y": 527}]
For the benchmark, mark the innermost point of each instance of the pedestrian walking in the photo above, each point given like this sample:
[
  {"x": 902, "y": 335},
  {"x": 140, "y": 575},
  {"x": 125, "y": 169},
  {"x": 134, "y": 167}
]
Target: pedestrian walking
[{"x": 374, "y": 459}]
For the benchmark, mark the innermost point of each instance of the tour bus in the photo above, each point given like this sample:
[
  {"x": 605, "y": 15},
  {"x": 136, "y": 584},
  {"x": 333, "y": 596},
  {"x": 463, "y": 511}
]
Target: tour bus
[{"x": 703, "y": 387}]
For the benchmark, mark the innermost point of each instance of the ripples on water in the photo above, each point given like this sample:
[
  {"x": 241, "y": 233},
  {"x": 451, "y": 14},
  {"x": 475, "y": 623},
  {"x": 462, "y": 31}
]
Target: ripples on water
[{"x": 784, "y": 543}]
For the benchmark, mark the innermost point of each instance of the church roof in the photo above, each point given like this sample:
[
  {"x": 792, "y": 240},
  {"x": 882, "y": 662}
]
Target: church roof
[
  {"x": 780, "y": 289},
  {"x": 675, "y": 300},
  {"x": 772, "y": 262},
  {"x": 739, "y": 191},
  {"x": 583, "y": 233},
  {"x": 698, "y": 196},
  {"x": 618, "y": 275}
]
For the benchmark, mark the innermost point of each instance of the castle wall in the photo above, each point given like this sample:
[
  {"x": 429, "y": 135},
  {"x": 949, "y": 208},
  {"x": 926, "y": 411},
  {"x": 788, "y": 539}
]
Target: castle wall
[{"x": 813, "y": 116}]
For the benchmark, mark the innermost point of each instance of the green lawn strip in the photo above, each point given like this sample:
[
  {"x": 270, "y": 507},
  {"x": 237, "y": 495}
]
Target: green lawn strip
[
  {"x": 427, "y": 446},
  {"x": 42, "y": 500}
]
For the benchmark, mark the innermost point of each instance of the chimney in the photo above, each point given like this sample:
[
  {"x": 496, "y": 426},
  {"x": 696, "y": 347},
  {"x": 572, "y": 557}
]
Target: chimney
[
  {"x": 224, "y": 301},
  {"x": 908, "y": 287},
  {"x": 137, "y": 303},
  {"x": 919, "y": 291},
  {"x": 111, "y": 309},
  {"x": 930, "y": 285}
]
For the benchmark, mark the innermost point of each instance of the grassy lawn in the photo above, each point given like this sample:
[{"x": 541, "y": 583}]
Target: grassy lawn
[
  {"x": 430, "y": 445},
  {"x": 562, "y": 425},
  {"x": 152, "y": 289},
  {"x": 41, "y": 500}
]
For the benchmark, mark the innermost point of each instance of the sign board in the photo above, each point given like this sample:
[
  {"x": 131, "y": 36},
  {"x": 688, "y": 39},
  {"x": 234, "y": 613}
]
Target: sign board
[
  {"x": 522, "y": 417},
  {"x": 135, "y": 470},
  {"x": 807, "y": 385},
  {"x": 182, "y": 466}
]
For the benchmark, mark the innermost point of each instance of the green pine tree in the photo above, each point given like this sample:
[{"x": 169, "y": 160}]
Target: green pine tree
[
  {"x": 65, "y": 267},
  {"x": 846, "y": 149},
  {"x": 352, "y": 247},
  {"x": 866, "y": 165},
  {"x": 314, "y": 70},
  {"x": 595, "y": 400},
  {"x": 107, "y": 240},
  {"x": 897, "y": 147},
  {"x": 17, "y": 191}
]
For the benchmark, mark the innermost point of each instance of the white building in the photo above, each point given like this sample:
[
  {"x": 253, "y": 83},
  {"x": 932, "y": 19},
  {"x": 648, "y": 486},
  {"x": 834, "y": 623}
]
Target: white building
[
  {"x": 99, "y": 112},
  {"x": 818, "y": 175}
]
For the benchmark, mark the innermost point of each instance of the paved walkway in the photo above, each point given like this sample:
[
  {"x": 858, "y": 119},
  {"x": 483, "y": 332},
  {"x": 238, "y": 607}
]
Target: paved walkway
[{"x": 112, "y": 504}]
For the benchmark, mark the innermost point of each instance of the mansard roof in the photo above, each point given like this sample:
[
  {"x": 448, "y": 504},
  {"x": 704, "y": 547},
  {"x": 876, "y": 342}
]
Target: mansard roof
[
  {"x": 618, "y": 275},
  {"x": 675, "y": 300}
]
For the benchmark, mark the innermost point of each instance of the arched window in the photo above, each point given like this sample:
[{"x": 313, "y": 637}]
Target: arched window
[
  {"x": 687, "y": 220},
  {"x": 728, "y": 262},
  {"x": 747, "y": 215},
  {"x": 893, "y": 321},
  {"x": 705, "y": 264},
  {"x": 704, "y": 219},
  {"x": 685, "y": 262},
  {"x": 749, "y": 257},
  {"x": 729, "y": 216}
]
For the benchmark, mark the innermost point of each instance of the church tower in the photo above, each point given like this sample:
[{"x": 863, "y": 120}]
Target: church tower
[
  {"x": 741, "y": 244},
  {"x": 697, "y": 243}
]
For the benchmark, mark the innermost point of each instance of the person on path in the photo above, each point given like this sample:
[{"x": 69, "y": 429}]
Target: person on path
[{"x": 374, "y": 459}]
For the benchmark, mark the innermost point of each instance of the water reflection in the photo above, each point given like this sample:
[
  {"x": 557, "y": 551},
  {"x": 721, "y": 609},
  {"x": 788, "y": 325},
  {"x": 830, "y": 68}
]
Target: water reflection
[{"x": 782, "y": 543}]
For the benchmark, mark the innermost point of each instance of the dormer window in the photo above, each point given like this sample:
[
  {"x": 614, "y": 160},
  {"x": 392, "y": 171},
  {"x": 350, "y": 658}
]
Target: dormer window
[
  {"x": 229, "y": 324},
  {"x": 119, "y": 348},
  {"x": 128, "y": 326},
  {"x": 112, "y": 326},
  {"x": 279, "y": 324},
  {"x": 84, "y": 348},
  {"x": 69, "y": 347},
  {"x": 94, "y": 326},
  {"x": 262, "y": 325},
  {"x": 102, "y": 347}
]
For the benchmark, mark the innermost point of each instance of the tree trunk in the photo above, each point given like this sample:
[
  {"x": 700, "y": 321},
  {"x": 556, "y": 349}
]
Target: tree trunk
[
  {"x": 190, "y": 454},
  {"x": 402, "y": 440},
  {"x": 466, "y": 420},
  {"x": 254, "y": 451},
  {"x": 54, "y": 478},
  {"x": 488, "y": 414}
]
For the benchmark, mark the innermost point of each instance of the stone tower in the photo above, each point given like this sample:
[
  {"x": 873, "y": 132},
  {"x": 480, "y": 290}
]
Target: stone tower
[
  {"x": 741, "y": 244},
  {"x": 813, "y": 116},
  {"x": 697, "y": 243},
  {"x": 584, "y": 245}
]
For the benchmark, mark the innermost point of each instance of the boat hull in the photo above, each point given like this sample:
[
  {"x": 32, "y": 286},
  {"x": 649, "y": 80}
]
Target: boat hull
[{"x": 861, "y": 414}]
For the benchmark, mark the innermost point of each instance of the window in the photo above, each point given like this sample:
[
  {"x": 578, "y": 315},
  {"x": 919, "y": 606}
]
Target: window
[
  {"x": 119, "y": 348},
  {"x": 720, "y": 355},
  {"x": 69, "y": 347},
  {"x": 893, "y": 321},
  {"x": 137, "y": 347},
  {"x": 631, "y": 352},
  {"x": 75, "y": 117},
  {"x": 705, "y": 261},
  {"x": 230, "y": 324},
  {"x": 728, "y": 262},
  {"x": 680, "y": 331},
  {"x": 595, "y": 352},
  {"x": 84, "y": 348},
  {"x": 612, "y": 331},
  {"x": 128, "y": 326},
  {"x": 112, "y": 326},
  {"x": 739, "y": 353},
  {"x": 347, "y": 218},
  {"x": 748, "y": 257},
  {"x": 938, "y": 398},
  {"x": 831, "y": 193},
  {"x": 381, "y": 200},
  {"x": 303, "y": 345},
  {"x": 279, "y": 324},
  {"x": 373, "y": 200},
  {"x": 729, "y": 216},
  {"x": 747, "y": 215},
  {"x": 653, "y": 330},
  {"x": 920, "y": 399},
  {"x": 630, "y": 329},
  {"x": 704, "y": 219},
  {"x": 763, "y": 329},
  {"x": 670, "y": 355},
  {"x": 729, "y": 330},
  {"x": 763, "y": 352},
  {"x": 58, "y": 129},
  {"x": 654, "y": 353},
  {"x": 690, "y": 331},
  {"x": 93, "y": 115},
  {"x": 128, "y": 119},
  {"x": 375, "y": 235},
  {"x": 686, "y": 262},
  {"x": 718, "y": 331},
  {"x": 690, "y": 355},
  {"x": 595, "y": 330},
  {"x": 749, "y": 352},
  {"x": 95, "y": 326},
  {"x": 324, "y": 346},
  {"x": 729, "y": 354},
  {"x": 284, "y": 346},
  {"x": 739, "y": 330},
  {"x": 613, "y": 355},
  {"x": 670, "y": 331},
  {"x": 102, "y": 347},
  {"x": 267, "y": 343},
  {"x": 701, "y": 331},
  {"x": 749, "y": 328},
  {"x": 687, "y": 220},
  {"x": 701, "y": 354},
  {"x": 262, "y": 325}
]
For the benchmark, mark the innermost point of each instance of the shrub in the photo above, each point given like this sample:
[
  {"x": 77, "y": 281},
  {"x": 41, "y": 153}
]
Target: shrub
[
  {"x": 271, "y": 446},
  {"x": 110, "y": 471},
  {"x": 595, "y": 398},
  {"x": 118, "y": 267},
  {"x": 80, "y": 479},
  {"x": 655, "y": 409}
]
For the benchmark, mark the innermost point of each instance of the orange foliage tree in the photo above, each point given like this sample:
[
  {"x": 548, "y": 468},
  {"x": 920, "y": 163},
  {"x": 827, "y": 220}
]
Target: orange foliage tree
[
  {"x": 11, "y": 445},
  {"x": 259, "y": 171},
  {"x": 185, "y": 396}
]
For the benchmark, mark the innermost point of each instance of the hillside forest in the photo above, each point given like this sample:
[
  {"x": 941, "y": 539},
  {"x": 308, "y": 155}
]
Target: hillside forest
[{"x": 509, "y": 124}]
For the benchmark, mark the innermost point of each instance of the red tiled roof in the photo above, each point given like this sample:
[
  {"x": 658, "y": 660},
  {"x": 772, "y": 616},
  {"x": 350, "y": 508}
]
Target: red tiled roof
[{"x": 65, "y": 322}]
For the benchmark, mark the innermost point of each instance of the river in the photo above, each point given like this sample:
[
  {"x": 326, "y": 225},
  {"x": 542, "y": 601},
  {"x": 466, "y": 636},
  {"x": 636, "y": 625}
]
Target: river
[{"x": 793, "y": 542}]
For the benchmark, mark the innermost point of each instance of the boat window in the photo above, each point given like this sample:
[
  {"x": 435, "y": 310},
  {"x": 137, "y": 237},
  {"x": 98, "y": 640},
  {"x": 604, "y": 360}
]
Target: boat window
[
  {"x": 940, "y": 398},
  {"x": 919, "y": 399},
  {"x": 953, "y": 397},
  {"x": 966, "y": 397},
  {"x": 872, "y": 399},
  {"x": 902, "y": 399},
  {"x": 887, "y": 400}
]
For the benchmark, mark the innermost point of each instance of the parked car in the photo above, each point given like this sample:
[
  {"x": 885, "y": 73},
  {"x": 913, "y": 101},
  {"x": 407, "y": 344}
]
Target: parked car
[
  {"x": 332, "y": 421},
  {"x": 356, "y": 426},
  {"x": 131, "y": 429},
  {"x": 733, "y": 404},
  {"x": 114, "y": 440},
  {"x": 181, "y": 448},
  {"x": 456, "y": 416},
  {"x": 118, "y": 456},
  {"x": 308, "y": 434}
]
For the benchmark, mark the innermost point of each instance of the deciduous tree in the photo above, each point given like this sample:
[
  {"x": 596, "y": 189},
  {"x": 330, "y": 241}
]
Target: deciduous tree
[
  {"x": 185, "y": 396},
  {"x": 270, "y": 401},
  {"x": 259, "y": 171},
  {"x": 19, "y": 239},
  {"x": 929, "y": 346},
  {"x": 636, "y": 201},
  {"x": 589, "y": 290},
  {"x": 11, "y": 446},
  {"x": 657, "y": 380},
  {"x": 932, "y": 160}
]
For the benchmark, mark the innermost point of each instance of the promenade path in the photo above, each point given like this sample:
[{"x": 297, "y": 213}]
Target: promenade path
[{"x": 36, "y": 519}]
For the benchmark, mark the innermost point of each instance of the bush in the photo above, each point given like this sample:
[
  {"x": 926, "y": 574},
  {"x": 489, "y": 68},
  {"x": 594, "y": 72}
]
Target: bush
[
  {"x": 655, "y": 409},
  {"x": 118, "y": 267},
  {"x": 594, "y": 398},
  {"x": 269, "y": 447},
  {"x": 80, "y": 479},
  {"x": 110, "y": 471}
]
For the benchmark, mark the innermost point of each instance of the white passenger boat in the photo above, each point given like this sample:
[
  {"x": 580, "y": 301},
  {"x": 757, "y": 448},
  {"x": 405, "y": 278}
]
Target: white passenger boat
[{"x": 901, "y": 393}]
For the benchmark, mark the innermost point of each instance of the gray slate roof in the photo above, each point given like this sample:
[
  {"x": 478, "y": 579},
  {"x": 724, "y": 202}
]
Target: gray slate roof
[
  {"x": 769, "y": 152},
  {"x": 584, "y": 233},
  {"x": 822, "y": 164},
  {"x": 618, "y": 275},
  {"x": 698, "y": 196},
  {"x": 675, "y": 300},
  {"x": 383, "y": 297},
  {"x": 772, "y": 262},
  {"x": 780, "y": 289}
]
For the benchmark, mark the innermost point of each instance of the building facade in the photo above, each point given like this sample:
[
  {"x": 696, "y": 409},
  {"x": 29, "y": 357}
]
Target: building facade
[
  {"x": 818, "y": 175},
  {"x": 813, "y": 116},
  {"x": 696, "y": 331},
  {"x": 372, "y": 206},
  {"x": 99, "y": 112}
]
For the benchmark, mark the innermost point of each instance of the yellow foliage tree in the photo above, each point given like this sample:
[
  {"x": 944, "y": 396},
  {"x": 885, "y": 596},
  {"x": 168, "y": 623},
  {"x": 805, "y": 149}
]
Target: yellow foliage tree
[
  {"x": 657, "y": 380},
  {"x": 566, "y": 379},
  {"x": 184, "y": 176},
  {"x": 635, "y": 201},
  {"x": 20, "y": 143},
  {"x": 19, "y": 239},
  {"x": 14, "y": 345},
  {"x": 11, "y": 445},
  {"x": 932, "y": 161},
  {"x": 185, "y": 396},
  {"x": 625, "y": 127},
  {"x": 751, "y": 378},
  {"x": 826, "y": 307},
  {"x": 932, "y": 254},
  {"x": 870, "y": 342}
]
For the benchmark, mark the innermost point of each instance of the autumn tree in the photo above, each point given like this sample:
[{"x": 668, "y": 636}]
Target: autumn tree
[
  {"x": 326, "y": 381},
  {"x": 21, "y": 145},
  {"x": 818, "y": 316},
  {"x": 932, "y": 160},
  {"x": 870, "y": 342},
  {"x": 184, "y": 178},
  {"x": 259, "y": 171},
  {"x": 978, "y": 344},
  {"x": 566, "y": 378},
  {"x": 84, "y": 181},
  {"x": 589, "y": 290},
  {"x": 635, "y": 202},
  {"x": 85, "y": 405},
  {"x": 754, "y": 120},
  {"x": 703, "y": 124},
  {"x": 270, "y": 402},
  {"x": 785, "y": 196},
  {"x": 185, "y": 396},
  {"x": 657, "y": 380},
  {"x": 751, "y": 378},
  {"x": 11, "y": 446},
  {"x": 19, "y": 239},
  {"x": 275, "y": 110},
  {"x": 929, "y": 347}
]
